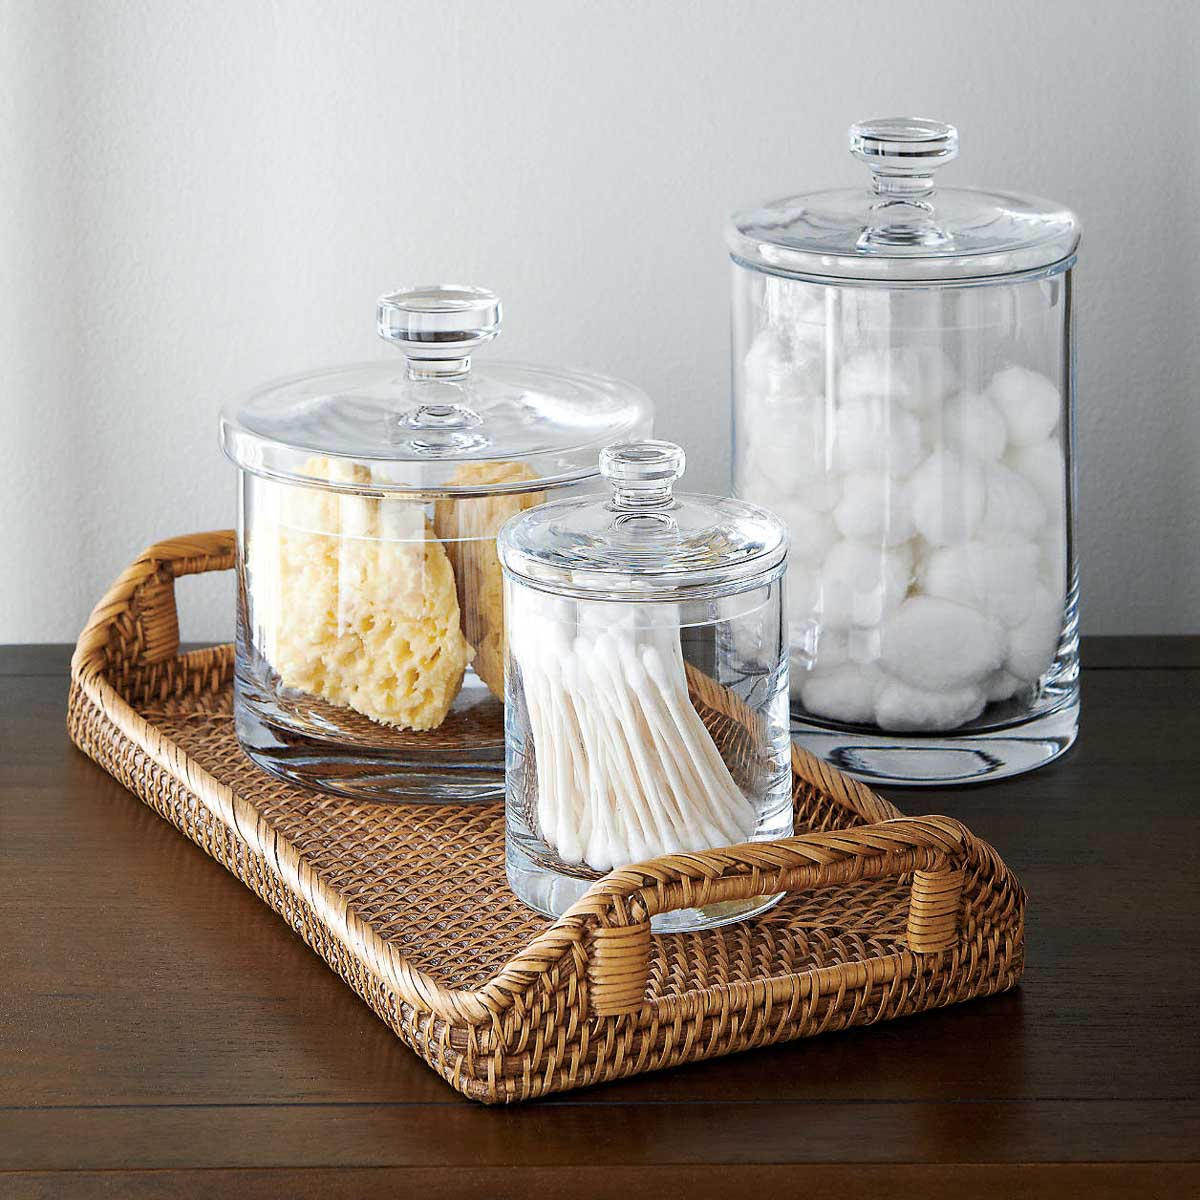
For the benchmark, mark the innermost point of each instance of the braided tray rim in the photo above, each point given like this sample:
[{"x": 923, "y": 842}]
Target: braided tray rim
[{"x": 571, "y": 1008}]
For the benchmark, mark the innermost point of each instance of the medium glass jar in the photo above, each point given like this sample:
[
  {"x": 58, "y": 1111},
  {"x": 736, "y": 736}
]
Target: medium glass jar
[
  {"x": 904, "y": 398},
  {"x": 646, "y": 707},
  {"x": 371, "y": 632}
]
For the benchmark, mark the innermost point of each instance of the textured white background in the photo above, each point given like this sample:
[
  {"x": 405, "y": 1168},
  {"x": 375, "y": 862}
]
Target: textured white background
[{"x": 195, "y": 197}]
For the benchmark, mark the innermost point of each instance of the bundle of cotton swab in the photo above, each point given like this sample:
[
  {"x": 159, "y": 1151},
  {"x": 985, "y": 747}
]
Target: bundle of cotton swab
[{"x": 625, "y": 768}]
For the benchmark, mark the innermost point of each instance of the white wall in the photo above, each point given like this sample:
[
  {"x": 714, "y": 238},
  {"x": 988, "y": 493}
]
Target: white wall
[{"x": 197, "y": 196}]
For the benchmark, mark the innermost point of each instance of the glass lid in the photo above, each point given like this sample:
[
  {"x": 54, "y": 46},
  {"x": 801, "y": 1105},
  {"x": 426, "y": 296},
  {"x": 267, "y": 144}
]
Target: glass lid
[
  {"x": 900, "y": 228},
  {"x": 430, "y": 421},
  {"x": 643, "y": 538}
]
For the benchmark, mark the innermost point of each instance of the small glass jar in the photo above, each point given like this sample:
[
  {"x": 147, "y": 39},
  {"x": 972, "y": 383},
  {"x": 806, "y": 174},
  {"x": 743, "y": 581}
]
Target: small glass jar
[
  {"x": 646, "y": 709},
  {"x": 904, "y": 398},
  {"x": 371, "y": 632}
]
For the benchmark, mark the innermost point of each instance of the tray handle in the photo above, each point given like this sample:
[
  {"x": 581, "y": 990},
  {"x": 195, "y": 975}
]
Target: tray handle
[
  {"x": 932, "y": 849},
  {"x": 137, "y": 624}
]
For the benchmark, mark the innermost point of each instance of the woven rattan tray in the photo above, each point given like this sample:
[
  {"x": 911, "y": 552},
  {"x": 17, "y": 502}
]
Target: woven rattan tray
[{"x": 885, "y": 915}]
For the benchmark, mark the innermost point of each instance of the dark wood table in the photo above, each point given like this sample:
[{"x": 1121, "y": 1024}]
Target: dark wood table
[{"x": 163, "y": 1033}]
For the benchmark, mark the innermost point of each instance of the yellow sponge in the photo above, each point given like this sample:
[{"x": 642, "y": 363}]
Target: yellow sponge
[
  {"x": 354, "y": 600},
  {"x": 467, "y": 528}
]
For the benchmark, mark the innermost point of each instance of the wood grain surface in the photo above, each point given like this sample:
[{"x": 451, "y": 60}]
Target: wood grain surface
[{"x": 163, "y": 1033}]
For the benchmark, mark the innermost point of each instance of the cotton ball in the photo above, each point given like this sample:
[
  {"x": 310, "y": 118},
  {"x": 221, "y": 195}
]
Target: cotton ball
[
  {"x": 846, "y": 693},
  {"x": 798, "y": 308},
  {"x": 813, "y": 533},
  {"x": 822, "y": 493},
  {"x": 863, "y": 643},
  {"x": 767, "y": 367},
  {"x": 938, "y": 645},
  {"x": 901, "y": 708},
  {"x": 815, "y": 649},
  {"x": 785, "y": 444},
  {"x": 998, "y": 579},
  {"x": 948, "y": 497},
  {"x": 1029, "y": 402},
  {"x": 864, "y": 317},
  {"x": 1043, "y": 465},
  {"x": 915, "y": 377},
  {"x": 870, "y": 435},
  {"x": 773, "y": 467},
  {"x": 1033, "y": 644},
  {"x": 831, "y": 650},
  {"x": 1000, "y": 685},
  {"x": 935, "y": 374},
  {"x": 874, "y": 508},
  {"x": 1053, "y": 561},
  {"x": 876, "y": 375},
  {"x": 754, "y": 476},
  {"x": 972, "y": 425},
  {"x": 750, "y": 485},
  {"x": 800, "y": 590},
  {"x": 765, "y": 475},
  {"x": 860, "y": 584},
  {"x": 779, "y": 364},
  {"x": 1013, "y": 506}
]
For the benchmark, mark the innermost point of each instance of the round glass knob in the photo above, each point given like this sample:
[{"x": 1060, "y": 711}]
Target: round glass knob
[
  {"x": 903, "y": 153},
  {"x": 903, "y": 150},
  {"x": 641, "y": 473},
  {"x": 438, "y": 327}
]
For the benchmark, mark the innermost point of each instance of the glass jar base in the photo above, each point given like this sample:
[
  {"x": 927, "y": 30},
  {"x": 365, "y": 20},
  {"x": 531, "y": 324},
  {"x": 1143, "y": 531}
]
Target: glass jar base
[
  {"x": 943, "y": 760},
  {"x": 551, "y": 893},
  {"x": 464, "y": 776}
]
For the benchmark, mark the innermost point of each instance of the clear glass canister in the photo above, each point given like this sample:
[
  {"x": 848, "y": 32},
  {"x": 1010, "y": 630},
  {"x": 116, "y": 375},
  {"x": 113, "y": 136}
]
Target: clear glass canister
[
  {"x": 371, "y": 632},
  {"x": 904, "y": 387},
  {"x": 647, "y": 685}
]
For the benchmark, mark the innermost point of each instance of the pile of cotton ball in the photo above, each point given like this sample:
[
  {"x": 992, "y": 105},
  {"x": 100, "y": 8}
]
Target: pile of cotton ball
[{"x": 928, "y": 560}]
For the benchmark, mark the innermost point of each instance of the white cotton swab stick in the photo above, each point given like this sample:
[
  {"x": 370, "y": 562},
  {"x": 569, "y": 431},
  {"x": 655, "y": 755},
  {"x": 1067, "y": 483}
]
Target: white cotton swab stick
[
  {"x": 536, "y": 687},
  {"x": 641, "y": 776},
  {"x": 572, "y": 780},
  {"x": 678, "y": 727},
  {"x": 626, "y": 798},
  {"x": 717, "y": 785},
  {"x": 709, "y": 827},
  {"x": 694, "y": 823}
]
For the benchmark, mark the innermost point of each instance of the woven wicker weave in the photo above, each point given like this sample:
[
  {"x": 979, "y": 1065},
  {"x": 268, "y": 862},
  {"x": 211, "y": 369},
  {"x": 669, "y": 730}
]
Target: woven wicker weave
[{"x": 885, "y": 916}]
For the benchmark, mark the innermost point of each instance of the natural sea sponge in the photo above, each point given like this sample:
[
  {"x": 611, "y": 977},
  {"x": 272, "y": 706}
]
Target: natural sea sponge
[
  {"x": 467, "y": 527},
  {"x": 354, "y": 600}
]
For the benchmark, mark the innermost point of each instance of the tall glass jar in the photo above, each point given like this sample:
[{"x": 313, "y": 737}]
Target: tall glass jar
[
  {"x": 903, "y": 385},
  {"x": 371, "y": 631},
  {"x": 647, "y": 686}
]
